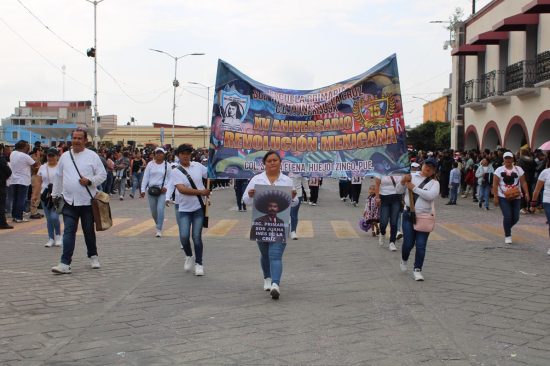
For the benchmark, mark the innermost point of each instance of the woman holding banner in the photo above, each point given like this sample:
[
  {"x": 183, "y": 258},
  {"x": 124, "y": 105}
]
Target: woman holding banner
[{"x": 271, "y": 253}]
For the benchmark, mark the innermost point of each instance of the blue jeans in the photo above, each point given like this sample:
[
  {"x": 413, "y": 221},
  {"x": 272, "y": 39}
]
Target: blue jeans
[
  {"x": 122, "y": 186},
  {"x": 107, "y": 185},
  {"x": 156, "y": 205},
  {"x": 271, "y": 260},
  {"x": 19, "y": 200},
  {"x": 547, "y": 212},
  {"x": 510, "y": 213},
  {"x": 294, "y": 215},
  {"x": 389, "y": 211},
  {"x": 483, "y": 194},
  {"x": 136, "y": 181},
  {"x": 9, "y": 199},
  {"x": 71, "y": 214},
  {"x": 454, "y": 192},
  {"x": 52, "y": 221},
  {"x": 190, "y": 224},
  {"x": 412, "y": 238}
]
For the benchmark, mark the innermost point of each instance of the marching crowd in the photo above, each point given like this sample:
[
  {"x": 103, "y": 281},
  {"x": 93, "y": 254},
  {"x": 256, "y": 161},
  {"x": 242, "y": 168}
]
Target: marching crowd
[{"x": 62, "y": 181}]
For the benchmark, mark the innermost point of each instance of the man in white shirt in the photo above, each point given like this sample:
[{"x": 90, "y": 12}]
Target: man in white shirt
[
  {"x": 77, "y": 187},
  {"x": 20, "y": 163}
]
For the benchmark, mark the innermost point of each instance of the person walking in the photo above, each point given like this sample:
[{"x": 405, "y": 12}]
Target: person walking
[
  {"x": 188, "y": 181},
  {"x": 271, "y": 254},
  {"x": 37, "y": 155},
  {"x": 137, "y": 166},
  {"x": 155, "y": 182},
  {"x": 454, "y": 184},
  {"x": 313, "y": 184},
  {"x": 121, "y": 166},
  {"x": 389, "y": 201},
  {"x": 508, "y": 181},
  {"x": 343, "y": 188},
  {"x": 425, "y": 189},
  {"x": 43, "y": 192},
  {"x": 20, "y": 163},
  {"x": 371, "y": 213},
  {"x": 355, "y": 190},
  {"x": 5, "y": 173},
  {"x": 294, "y": 210},
  {"x": 239, "y": 186},
  {"x": 484, "y": 175},
  {"x": 79, "y": 172},
  {"x": 543, "y": 183}
]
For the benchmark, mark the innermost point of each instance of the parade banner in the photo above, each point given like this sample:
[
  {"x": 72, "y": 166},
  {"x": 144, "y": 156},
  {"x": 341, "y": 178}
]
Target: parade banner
[
  {"x": 352, "y": 128},
  {"x": 271, "y": 213}
]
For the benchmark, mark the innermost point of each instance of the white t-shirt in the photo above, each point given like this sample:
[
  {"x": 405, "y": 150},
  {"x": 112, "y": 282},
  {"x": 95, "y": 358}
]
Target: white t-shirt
[
  {"x": 426, "y": 194},
  {"x": 197, "y": 171},
  {"x": 20, "y": 164},
  {"x": 47, "y": 173},
  {"x": 545, "y": 177},
  {"x": 386, "y": 185},
  {"x": 154, "y": 175},
  {"x": 508, "y": 178}
]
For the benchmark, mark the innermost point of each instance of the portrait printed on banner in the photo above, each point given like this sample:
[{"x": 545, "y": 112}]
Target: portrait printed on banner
[
  {"x": 271, "y": 214},
  {"x": 234, "y": 109}
]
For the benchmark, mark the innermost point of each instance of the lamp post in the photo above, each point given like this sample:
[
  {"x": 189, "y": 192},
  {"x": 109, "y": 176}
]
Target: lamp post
[
  {"x": 175, "y": 83},
  {"x": 448, "y": 43},
  {"x": 429, "y": 107},
  {"x": 93, "y": 53}
]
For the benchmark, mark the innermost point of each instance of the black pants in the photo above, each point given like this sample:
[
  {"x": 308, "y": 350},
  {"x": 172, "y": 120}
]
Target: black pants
[
  {"x": 343, "y": 187},
  {"x": 239, "y": 191},
  {"x": 313, "y": 194},
  {"x": 444, "y": 184},
  {"x": 3, "y": 221},
  {"x": 355, "y": 192}
]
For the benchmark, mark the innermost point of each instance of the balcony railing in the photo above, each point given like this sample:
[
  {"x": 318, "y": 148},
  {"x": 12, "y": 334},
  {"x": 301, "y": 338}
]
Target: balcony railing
[
  {"x": 471, "y": 91},
  {"x": 492, "y": 84},
  {"x": 522, "y": 74},
  {"x": 543, "y": 66}
]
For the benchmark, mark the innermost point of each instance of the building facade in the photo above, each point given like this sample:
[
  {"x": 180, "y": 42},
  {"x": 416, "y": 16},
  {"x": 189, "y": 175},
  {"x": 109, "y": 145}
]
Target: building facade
[
  {"x": 501, "y": 77},
  {"x": 437, "y": 110}
]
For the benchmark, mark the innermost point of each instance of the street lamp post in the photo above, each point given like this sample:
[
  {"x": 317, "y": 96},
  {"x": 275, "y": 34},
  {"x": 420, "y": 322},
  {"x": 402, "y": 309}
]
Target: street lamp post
[
  {"x": 429, "y": 107},
  {"x": 175, "y": 83}
]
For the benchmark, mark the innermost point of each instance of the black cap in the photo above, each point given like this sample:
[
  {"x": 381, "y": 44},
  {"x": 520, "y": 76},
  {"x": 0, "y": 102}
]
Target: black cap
[
  {"x": 52, "y": 151},
  {"x": 431, "y": 162}
]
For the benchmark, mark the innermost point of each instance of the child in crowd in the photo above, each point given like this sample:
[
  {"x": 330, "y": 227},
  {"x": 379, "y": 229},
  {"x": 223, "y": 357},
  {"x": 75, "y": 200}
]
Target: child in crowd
[
  {"x": 372, "y": 211},
  {"x": 454, "y": 183}
]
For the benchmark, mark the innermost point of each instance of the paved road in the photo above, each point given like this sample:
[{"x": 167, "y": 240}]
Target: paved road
[{"x": 344, "y": 300}]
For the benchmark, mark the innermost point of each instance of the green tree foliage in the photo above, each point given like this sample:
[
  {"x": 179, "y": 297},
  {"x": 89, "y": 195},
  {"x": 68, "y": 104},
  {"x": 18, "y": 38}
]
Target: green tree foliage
[{"x": 430, "y": 136}]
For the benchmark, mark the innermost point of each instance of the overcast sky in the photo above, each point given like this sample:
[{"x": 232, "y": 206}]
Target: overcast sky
[{"x": 295, "y": 44}]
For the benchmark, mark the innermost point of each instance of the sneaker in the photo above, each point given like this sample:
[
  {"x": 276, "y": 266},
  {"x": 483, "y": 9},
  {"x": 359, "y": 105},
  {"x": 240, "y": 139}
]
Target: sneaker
[
  {"x": 487, "y": 208},
  {"x": 342, "y": 199},
  {"x": 188, "y": 264},
  {"x": 275, "y": 292},
  {"x": 354, "y": 204},
  {"x": 5, "y": 227},
  {"x": 403, "y": 265},
  {"x": 131, "y": 195},
  {"x": 158, "y": 234},
  {"x": 310, "y": 203},
  {"x": 314, "y": 204},
  {"x": 58, "y": 240},
  {"x": 49, "y": 243},
  {"x": 393, "y": 248},
  {"x": 267, "y": 284},
  {"x": 199, "y": 270},
  {"x": 480, "y": 204},
  {"x": 24, "y": 219},
  {"x": 293, "y": 235},
  {"x": 121, "y": 198},
  {"x": 244, "y": 209},
  {"x": 36, "y": 216},
  {"x": 61, "y": 268},
  {"x": 417, "y": 274},
  {"x": 240, "y": 210},
  {"x": 399, "y": 235},
  {"x": 548, "y": 252},
  {"x": 508, "y": 240},
  {"x": 381, "y": 239},
  {"x": 94, "y": 262}
]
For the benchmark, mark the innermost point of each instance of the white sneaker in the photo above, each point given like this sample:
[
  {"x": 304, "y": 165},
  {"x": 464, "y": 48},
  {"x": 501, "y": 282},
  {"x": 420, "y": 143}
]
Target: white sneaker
[
  {"x": 61, "y": 269},
  {"x": 50, "y": 243},
  {"x": 199, "y": 270},
  {"x": 188, "y": 264},
  {"x": 309, "y": 203},
  {"x": 417, "y": 274},
  {"x": 293, "y": 235},
  {"x": 403, "y": 265},
  {"x": 94, "y": 262},
  {"x": 267, "y": 284},
  {"x": 158, "y": 234},
  {"x": 58, "y": 240},
  {"x": 548, "y": 252},
  {"x": 381, "y": 239},
  {"x": 314, "y": 204},
  {"x": 275, "y": 292},
  {"x": 508, "y": 240},
  {"x": 393, "y": 248},
  {"x": 399, "y": 235}
]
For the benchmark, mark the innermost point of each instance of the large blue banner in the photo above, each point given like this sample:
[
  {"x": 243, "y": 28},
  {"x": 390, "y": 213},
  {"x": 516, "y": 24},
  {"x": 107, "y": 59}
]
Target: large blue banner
[{"x": 352, "y": 128}]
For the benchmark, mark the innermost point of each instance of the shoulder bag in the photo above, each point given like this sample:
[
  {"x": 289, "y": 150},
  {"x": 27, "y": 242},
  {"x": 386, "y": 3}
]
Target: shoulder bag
[
  {"x": 101, "y": 209},
  {"x": 423, "y": 222},
  {"x": 46, "y": 195},
  {"x": 156, "y": 190},
  {"x": 203, "y": 206},
  {"x": 513, "y": 193}
]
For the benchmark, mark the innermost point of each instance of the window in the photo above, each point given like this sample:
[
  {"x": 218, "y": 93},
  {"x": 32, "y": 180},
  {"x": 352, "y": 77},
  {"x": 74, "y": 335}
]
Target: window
[
  {"x": 73, "y": 114},
  {"x": 14, "y": 135}
]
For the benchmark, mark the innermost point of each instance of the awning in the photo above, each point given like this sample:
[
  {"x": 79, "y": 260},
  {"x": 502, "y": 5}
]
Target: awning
[
  {"x": 537, "y": 7},
  {"x": 489, "y": 38},
  {"x": 468, "y": 50},
  {"x": 518, "y": 22}
]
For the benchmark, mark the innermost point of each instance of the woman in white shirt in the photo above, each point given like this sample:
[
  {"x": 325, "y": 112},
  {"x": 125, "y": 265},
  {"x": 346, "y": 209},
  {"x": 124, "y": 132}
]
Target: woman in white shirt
[
  {"x": 425, "y": 189},
  {"x": 155, "y": 180},
  {"x": 44, "y": 183},
  {"x": 389, "y": 201},
  {"x": 271, "y": 259},
  {"x": 20, "y": 163},
  {"x": 544, "y": 182}
]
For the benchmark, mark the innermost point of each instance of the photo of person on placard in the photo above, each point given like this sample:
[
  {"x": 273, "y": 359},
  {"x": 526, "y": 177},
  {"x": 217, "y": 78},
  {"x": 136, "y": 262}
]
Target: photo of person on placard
[{"x": 271, "y": 215}]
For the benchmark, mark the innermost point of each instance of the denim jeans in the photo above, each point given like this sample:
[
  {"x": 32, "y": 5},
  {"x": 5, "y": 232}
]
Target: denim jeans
[
  {"x": 107, "y": 185},
  {"x": 71, "y": 214},
  {"x": 52, "y": 221},
  {"x": 510, "y": 213},
  {"x": 271, "y": 260},
  {"x": 190, "y": 224},
  {"x": 156, "y": 205},
  {"x": 454, "y": 192},
  {"x": 122, "y": 186},
  {"x": 483, "y": 194},
  {"x": 412, "y": 238},
  {"x": 9, "y": 199},
  {"x": 389, "y": 211},
  {"x": 19, "y": 200},
  {"x": 294, "y": 215},
  {"x": 136, "y": 181},
  {"x": 3, "y": 195},
  {"x": 547, "y": 212}
]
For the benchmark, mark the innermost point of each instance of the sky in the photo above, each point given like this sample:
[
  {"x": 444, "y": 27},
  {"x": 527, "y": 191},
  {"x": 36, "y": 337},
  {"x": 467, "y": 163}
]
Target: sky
[{"x": 292, "y": 44}]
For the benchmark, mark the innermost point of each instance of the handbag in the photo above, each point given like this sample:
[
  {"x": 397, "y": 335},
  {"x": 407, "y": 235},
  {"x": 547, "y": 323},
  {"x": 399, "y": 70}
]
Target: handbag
[
  {"x": 423, "y": 222},
  {"x": 203, "y": 206},
  {"x": 101, "y": 209},
  {"x": 156, "y": 191},
  {"x": 46, "y": 195},
  {"x": 512, "y": 193}
]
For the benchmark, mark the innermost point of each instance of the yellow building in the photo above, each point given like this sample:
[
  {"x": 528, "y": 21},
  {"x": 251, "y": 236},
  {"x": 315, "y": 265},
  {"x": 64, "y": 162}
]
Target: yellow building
[
  {"x": 437, "y": 110},
  {"x": 142, "y": 135}
]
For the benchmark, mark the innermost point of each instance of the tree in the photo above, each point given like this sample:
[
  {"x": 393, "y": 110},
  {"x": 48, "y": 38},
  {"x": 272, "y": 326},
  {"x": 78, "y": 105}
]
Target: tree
[{"x": 430, "y": 136}]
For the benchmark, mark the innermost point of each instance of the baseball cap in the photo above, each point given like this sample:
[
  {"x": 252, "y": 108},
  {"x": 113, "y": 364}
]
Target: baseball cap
[
  {"x": 52, "y": 151},
  {"x": 160, "y": 149},
  {"x": 431, "y": 162},
  {"x": 508, "y": 154},
  {"x": 415, "y": 165}
]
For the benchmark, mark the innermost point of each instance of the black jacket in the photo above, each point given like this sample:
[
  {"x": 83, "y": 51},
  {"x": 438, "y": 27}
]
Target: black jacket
[{"x": 5, "y": 171}]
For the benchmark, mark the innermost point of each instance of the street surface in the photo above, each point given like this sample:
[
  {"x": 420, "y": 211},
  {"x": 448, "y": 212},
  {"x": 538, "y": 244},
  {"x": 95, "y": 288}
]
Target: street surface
[{"x": 343, "y": 299}]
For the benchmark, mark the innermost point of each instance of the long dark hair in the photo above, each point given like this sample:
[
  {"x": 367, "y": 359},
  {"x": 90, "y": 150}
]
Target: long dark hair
[{"x": 270, "y": 152}]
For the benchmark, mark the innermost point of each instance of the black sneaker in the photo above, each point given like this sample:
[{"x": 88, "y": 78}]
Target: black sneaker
[
  {"x": 480, "y": 203},
  {"x": 6, "y": 227}
]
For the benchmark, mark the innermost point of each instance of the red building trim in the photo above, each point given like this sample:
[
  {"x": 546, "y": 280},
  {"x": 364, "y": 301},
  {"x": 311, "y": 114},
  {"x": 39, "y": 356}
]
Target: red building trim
[
  {"x": 537, "y": 6},
  {"x": 489, "y": 38},
  {"x": 543, "y": 117},
  {"x": 518, "y": 22},
  {"x": 516, "y": 120},
  {"x": 494, "y": 126}
]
